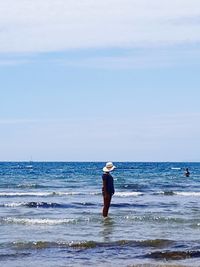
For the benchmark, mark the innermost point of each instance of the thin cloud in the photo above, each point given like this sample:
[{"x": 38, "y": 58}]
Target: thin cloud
[
  {"x": 160, "y": 137},
  {"x": 17, "y": 121},
  {"x": 135, "y": 58},
  {"x": 11, "y": 62},
  {"x": 46, "y": 26}
]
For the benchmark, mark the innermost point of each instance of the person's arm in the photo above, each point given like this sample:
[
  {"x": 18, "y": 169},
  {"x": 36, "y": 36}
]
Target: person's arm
[{"x": 105, "y": 187}]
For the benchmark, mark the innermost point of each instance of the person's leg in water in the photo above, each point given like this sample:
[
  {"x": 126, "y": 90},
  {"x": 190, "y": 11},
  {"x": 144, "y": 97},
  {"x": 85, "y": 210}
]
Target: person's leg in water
[{"x": 106, "y": 202}]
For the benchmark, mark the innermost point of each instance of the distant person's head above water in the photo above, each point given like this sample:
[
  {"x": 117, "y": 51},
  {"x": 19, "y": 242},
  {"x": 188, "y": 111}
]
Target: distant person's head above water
[
  {"x": 109, "y": 167},
  {"x": 187, "y": 173}
]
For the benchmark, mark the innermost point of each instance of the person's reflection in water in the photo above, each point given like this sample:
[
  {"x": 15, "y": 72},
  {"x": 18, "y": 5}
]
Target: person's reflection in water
[{"x": 107, "y": 229}]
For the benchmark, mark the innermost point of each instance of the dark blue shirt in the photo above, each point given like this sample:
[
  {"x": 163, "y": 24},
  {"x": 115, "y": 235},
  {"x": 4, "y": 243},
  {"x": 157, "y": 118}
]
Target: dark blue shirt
[{"x": 107, "y": 177}]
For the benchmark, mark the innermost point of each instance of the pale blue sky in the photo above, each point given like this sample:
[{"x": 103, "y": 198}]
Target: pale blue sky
[{"x": 100, "y": 80}]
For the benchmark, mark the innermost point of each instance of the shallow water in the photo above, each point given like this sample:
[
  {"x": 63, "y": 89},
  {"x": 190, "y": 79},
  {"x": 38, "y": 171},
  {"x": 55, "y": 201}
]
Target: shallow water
[{"x": 50, "y": 215}]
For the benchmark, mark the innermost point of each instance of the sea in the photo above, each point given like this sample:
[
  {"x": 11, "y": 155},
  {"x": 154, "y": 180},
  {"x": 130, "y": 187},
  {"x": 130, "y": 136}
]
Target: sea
[{"x": 51, "y": 215}]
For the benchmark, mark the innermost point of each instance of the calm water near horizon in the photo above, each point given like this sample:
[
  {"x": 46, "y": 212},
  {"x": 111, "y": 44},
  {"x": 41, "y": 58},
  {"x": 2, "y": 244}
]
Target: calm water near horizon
[{"x": 50, "y": 215}]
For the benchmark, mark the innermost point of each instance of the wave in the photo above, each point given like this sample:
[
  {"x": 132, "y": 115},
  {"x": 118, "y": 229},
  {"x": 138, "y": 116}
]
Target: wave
[
  {"x": 7, "y": 185},
  {"x": 13, "y": 256},
  {"x": 117, "y": 194},
  {"x": 172, "y": 193},
  {"x": 34, "y": 204},
  {"x": 152, "y": 243},
  {"x": 129, "y": 205},
  {"x": 37, "y": 194},
  {"x": 161, "y": 219},
  {"x": 190, "y": 222},
  {"x": 30, "y": 221},
  {"x": 174, "y": 255},
  {"x": 13, "y": 205},
  {"x": 193, "y": 223},
  {"x": 24, "y": 194},
  {"x": 132, "y": 186},
  {"x": 195, "y": 194},
  {"x": 122, "y": 194},
  {"x": 147, "y": 218},
  {"x": 41, "y": 204},
  {"x": 30, "y": 186},
  {"x": 46, "y": 194},
  {"x": 128, "y": 194}
]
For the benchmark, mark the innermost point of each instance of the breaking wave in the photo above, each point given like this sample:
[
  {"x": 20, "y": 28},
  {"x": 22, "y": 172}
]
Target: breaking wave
[
  {"x": 172, "y": 193},
  {"x": 30, "y": 221},
  {"x": 46, "y": 194},
  {"x": 37, "y": 194},
  {"x": 152, "y": 243},
  {"x": 128, "y": 194},
  {"x": 34, "y": 204}
]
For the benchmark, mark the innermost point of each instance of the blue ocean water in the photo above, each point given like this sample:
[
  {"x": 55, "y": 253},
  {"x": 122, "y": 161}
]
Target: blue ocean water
[{"x": 50, "y": 215}]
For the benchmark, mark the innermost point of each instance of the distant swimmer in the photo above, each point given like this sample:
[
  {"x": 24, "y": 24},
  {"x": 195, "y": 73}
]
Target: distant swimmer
[{"x": 187, "y": 173}]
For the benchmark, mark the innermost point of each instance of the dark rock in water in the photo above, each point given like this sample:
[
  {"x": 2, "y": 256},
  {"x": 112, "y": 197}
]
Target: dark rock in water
[{"x": 174, "y": 255}]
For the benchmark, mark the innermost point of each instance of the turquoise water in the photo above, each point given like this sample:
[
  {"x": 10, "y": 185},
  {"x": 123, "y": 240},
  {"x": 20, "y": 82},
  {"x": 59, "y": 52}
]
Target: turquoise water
[{"x": 50, "y": 215}]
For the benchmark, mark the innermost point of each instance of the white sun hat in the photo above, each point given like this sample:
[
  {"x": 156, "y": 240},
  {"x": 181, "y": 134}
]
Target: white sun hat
[{"x": 109, "y": 167}]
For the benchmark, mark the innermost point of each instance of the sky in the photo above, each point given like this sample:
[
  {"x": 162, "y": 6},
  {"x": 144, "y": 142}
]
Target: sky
[{"x": 90, "y": 80}]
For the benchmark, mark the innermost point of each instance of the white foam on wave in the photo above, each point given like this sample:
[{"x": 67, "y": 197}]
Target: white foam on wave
[
  {"x": 37, "y": 221},
  {"x": 176, "y": 193},
  {"x": 27, "y": 185},
  {"x": 42, "y": 194},
  {"x": 14, "y": 204},
  {"x": 128, "y": 194},
  {"x": 46, "y": 194},
  {"x": 67, "y": 193},
  {"x": 15, "y": 194},
  {"x": 188, "y": 194}
]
